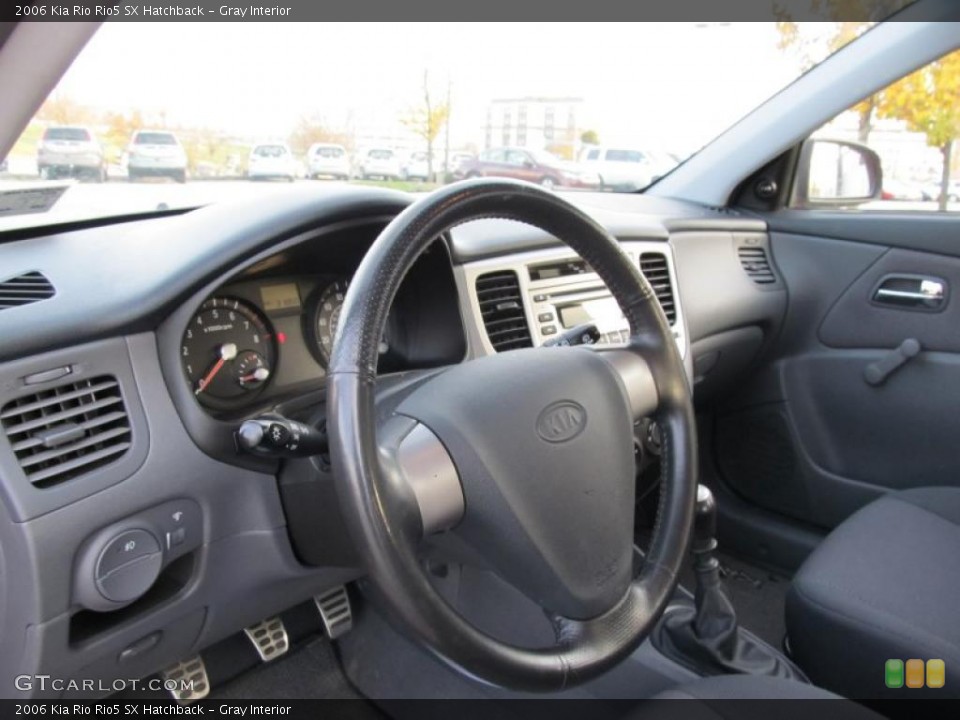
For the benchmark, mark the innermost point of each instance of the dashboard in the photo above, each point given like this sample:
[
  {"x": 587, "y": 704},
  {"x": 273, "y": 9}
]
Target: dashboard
[{"x": 122, "y": 392}]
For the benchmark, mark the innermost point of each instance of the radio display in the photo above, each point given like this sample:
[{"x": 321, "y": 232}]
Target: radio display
[
  {"x": 604, "y": 313},
  {"x": 560, "y": 269}
]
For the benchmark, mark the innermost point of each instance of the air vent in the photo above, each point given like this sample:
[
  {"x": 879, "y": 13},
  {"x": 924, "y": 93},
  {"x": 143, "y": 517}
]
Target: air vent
[
  {"x": 756, "y": 265},
  {"x": 67, "y": 431},
  {"x": 502, "y": 310},
  {"x": 654, "y": 267},
  {"x": 25, "y": 289}
]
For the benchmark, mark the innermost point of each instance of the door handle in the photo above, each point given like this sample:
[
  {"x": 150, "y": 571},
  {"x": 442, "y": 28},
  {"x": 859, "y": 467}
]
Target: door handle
[{"x": 911, "y": 291}]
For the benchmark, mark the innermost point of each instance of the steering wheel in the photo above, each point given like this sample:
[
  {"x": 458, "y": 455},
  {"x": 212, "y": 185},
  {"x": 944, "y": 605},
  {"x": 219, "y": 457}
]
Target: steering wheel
[{"x": 527, "y": 455}]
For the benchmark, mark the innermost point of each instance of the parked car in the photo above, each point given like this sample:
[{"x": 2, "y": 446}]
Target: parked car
[
  {"x": 622, "y": 168},
  {"x": 156, "y": 153},
  {"x": 70, "y": 151},
  {"x": 531, "y": 165},
  {"x": 271, "y": 161},
  {"x": 328, "y": 160},
  {"x": 380, "y": 163},
  {"x": 416, "y": 167},
  {"x": 894, "y": 189}
]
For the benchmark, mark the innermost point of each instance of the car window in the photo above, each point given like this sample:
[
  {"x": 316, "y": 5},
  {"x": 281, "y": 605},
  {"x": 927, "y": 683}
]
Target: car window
[
  {"x": 633, "y": 156},
  {"x": 496, "y": 156},
  {"x": 270, "y": 151},
  {"x": 380, "y": 154},
  {"x": 593, "y": 154},
  {"x": 329, "y": 152},
  {"x": 515, "y": 157},
  {"x": 913, "y": 125},
  {"x": 154, "y": 138},
  {"x": 73, "y": 134}
]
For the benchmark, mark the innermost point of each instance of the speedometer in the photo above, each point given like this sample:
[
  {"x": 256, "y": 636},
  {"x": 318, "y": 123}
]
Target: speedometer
[
  {"x": 227, "y": 351},
  {"x": 326, "y": 316}
]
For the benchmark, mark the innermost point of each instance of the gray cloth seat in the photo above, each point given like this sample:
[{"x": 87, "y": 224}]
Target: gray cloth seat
[{"x": 885, "y": 584}]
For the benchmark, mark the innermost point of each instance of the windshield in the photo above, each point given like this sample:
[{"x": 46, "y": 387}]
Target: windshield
[{"x": 648, "y": 95}]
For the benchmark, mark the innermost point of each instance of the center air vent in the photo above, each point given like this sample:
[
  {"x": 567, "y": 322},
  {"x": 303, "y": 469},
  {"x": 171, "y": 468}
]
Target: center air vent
[
  {"x": 756, "y": 265},
  {"x": 25, "y": 289},
  {"x": 67, "y": 431},
  {"x": 501, "y": 308},
  {"x": 654, "y": 267}
]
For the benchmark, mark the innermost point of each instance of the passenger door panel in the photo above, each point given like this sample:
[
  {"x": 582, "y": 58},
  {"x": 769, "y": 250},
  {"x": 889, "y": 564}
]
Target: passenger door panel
[{"x": 811, "y": 438}]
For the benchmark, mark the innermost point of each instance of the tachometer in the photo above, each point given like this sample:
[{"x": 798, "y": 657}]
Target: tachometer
[{"x": 227, "y": 351}]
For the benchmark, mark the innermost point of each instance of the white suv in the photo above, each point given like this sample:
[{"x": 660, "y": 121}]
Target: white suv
[
  {"x": 156, "y": 153},
  {"x": 271, "y": 160},
  {"x": 380, "y": 163},
  {"x": 70, "y": 151},
  {"x": 327, "y": 160},
  {"x": 624, "y": 169}
]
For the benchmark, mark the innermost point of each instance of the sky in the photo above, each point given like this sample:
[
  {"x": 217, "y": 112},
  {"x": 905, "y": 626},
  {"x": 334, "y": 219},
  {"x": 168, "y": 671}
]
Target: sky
[{"x": 673, "y": 85}]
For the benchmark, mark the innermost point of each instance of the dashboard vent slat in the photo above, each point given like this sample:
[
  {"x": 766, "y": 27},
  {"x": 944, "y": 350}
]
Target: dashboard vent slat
[
  {"x": 756, "y": 264},
  {"x": 25, "y": 289},
  {"x": 67, "y": 431},
  {"x": 654, "y": 267},
  {"x": 501, "y": 307}
]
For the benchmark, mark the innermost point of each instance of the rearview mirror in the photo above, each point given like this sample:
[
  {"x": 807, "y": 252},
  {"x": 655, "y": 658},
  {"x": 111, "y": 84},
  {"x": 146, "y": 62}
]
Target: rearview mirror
[{"x": 837, "y": 173}]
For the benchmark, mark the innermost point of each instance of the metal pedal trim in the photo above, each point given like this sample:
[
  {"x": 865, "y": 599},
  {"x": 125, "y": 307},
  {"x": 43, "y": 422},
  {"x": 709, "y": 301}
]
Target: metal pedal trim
[
  {"x": 187, "y": 681},
  {"x": 269, "y": 638},
  {"x": 335, "y": 611}
]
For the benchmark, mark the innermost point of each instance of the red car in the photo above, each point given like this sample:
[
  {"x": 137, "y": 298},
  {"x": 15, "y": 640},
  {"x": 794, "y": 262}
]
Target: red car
[{"x": 531, "y": 165}]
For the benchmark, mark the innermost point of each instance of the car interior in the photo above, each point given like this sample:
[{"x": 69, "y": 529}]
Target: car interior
[{"x": 490, "y": 441}]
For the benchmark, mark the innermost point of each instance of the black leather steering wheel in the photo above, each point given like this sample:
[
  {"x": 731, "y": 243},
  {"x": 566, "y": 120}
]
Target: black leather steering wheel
[{"x": 527, "y": 455}]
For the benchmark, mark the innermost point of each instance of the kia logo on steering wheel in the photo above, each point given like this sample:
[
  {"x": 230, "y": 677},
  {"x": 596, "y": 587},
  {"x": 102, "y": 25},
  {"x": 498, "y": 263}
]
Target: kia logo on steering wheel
[{"x": 561, "y": 421}]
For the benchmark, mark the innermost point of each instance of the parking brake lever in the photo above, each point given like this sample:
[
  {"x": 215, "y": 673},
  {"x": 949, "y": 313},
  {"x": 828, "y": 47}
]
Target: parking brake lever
[{"x": 877, "y": 373}]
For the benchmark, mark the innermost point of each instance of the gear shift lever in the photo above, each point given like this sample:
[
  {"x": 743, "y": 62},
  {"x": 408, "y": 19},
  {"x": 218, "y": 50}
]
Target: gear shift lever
[{"x": 707, "y": 636}]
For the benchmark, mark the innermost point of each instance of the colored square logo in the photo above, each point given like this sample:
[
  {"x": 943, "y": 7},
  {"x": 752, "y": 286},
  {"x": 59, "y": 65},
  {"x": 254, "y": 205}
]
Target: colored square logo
[
  {"x": 936, "y": 673},
  {"x": 893, "y": 673},
  {"x": 915, "y": 673}
]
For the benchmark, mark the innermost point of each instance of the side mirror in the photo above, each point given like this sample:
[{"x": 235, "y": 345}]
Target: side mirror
[{"x": 836, "y": 173}]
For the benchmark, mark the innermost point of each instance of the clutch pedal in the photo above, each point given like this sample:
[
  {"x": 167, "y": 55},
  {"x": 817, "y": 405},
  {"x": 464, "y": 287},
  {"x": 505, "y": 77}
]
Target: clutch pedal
[
  {"x": 335, "y": 611},
  {"x": 187, "y": 680},
  {"x": 270, "y": 638}
]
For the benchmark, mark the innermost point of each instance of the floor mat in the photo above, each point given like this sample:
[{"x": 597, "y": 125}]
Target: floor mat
[{"x": 310, "y": 672}]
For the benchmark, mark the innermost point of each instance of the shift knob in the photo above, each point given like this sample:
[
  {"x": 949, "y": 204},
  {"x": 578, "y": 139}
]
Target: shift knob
[{"x": 704, "y": 521}]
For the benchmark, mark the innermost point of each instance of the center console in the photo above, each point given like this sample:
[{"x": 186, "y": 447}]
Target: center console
[{"x": 527, "y": 299}]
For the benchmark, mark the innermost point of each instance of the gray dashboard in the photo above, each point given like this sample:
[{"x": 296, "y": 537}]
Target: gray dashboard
[{"x": 124, "y": 292}]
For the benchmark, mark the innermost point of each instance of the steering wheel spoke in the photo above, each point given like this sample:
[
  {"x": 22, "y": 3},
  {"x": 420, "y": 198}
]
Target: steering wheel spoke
[{"x": 637, "y": 378}]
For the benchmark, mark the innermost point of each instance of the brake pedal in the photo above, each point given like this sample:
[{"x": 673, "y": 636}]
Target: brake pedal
[
  {"x": 335, "y": 611},
  {"x": 270, "y": 638},
  {"x": 187, "y": 680}
]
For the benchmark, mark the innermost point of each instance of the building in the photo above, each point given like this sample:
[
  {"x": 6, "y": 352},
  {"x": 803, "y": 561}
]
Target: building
[{"x": 538, "y": 123}]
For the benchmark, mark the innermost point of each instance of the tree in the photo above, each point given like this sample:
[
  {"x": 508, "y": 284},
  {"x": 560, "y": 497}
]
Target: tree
[
  {"x": 590, "y": 137},
  {"x": 427, "y": 120},
  {"x": 63, "y": 110},
  {"x": 928, "y": 101},
  {"x": 312, "y": 129}
]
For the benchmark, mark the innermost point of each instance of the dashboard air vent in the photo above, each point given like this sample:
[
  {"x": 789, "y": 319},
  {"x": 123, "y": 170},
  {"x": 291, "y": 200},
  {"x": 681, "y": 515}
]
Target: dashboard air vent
[
  {"x": 756, "y": 265},
  {"x": 501, "y": 307},
  {"x": 654, "y": 267},
  {"x": 25, "y": 289},
  {"x": 67, "y": 431}
]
